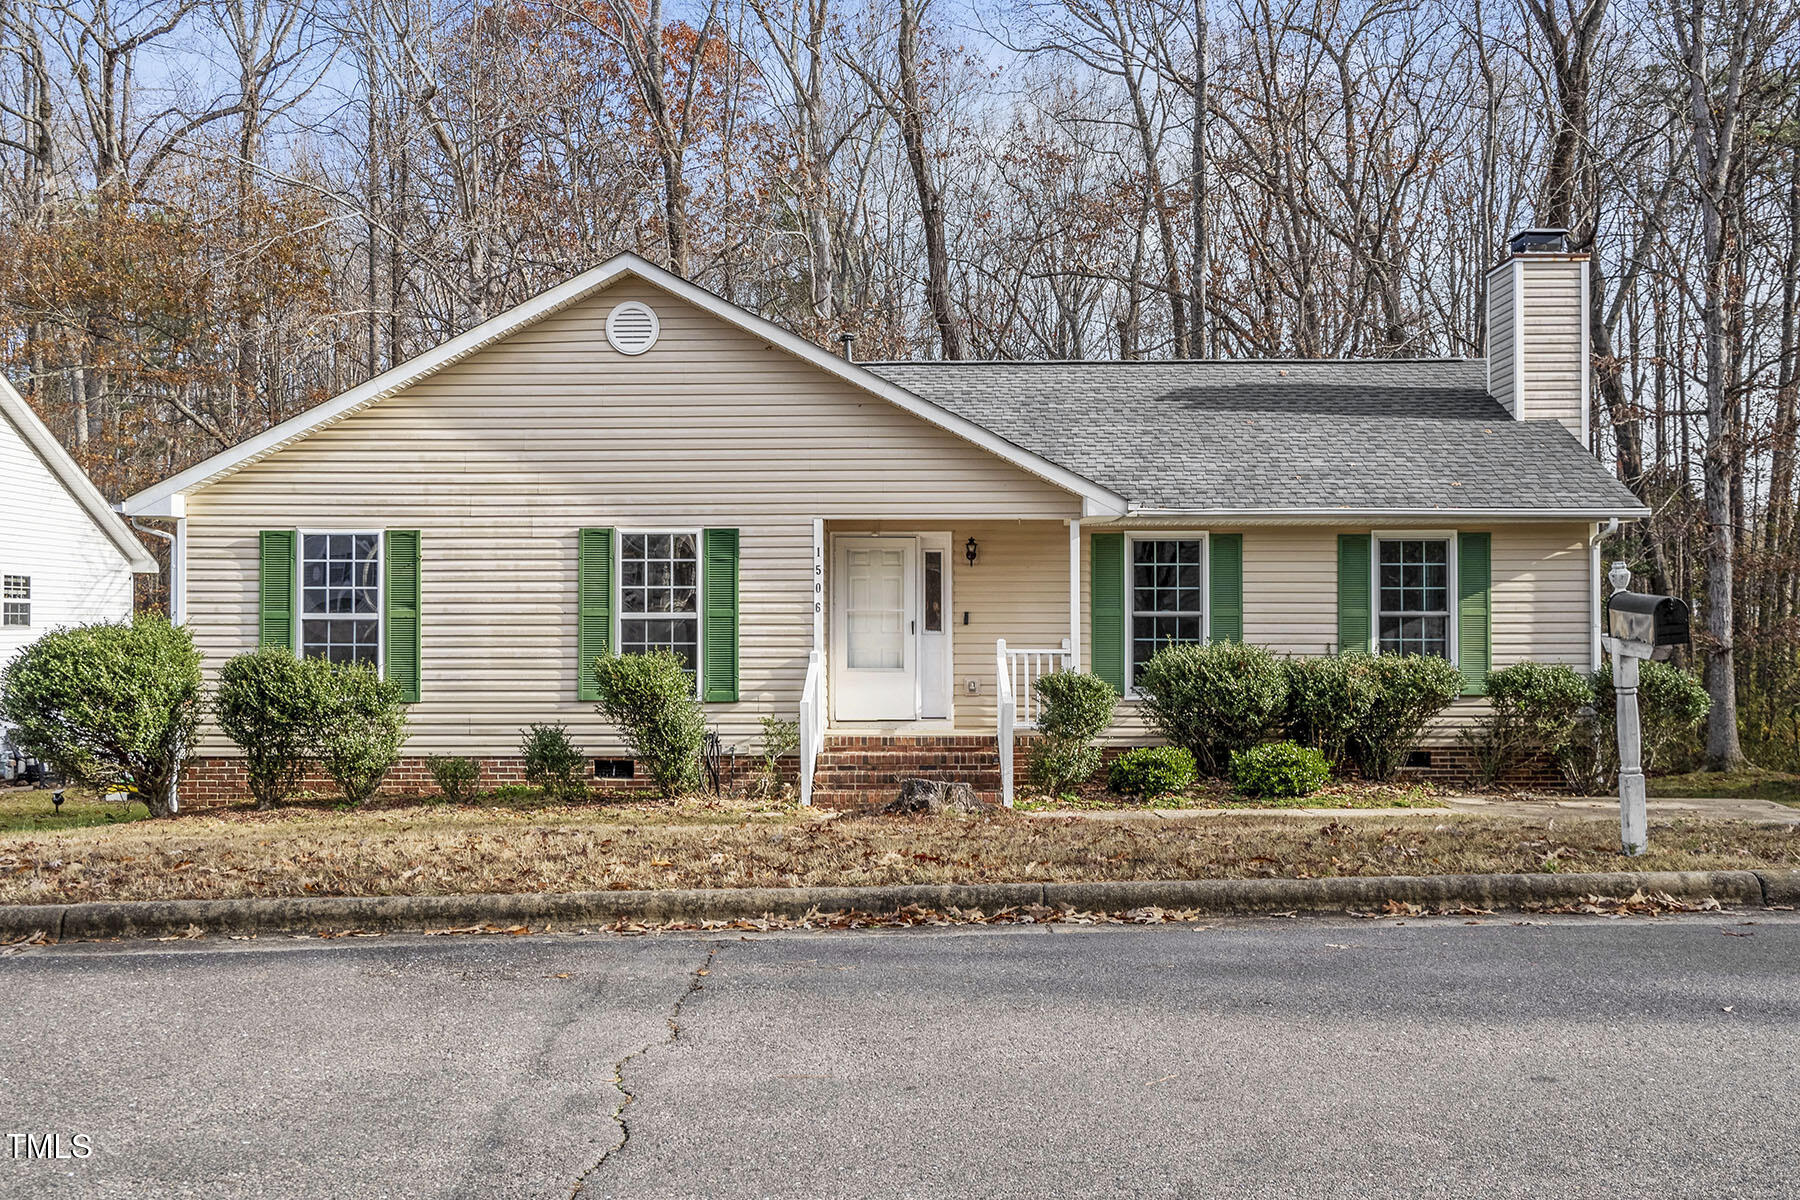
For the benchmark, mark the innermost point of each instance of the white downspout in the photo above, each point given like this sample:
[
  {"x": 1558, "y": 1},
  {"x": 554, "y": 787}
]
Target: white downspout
[{"x": 1594, "y": 647}]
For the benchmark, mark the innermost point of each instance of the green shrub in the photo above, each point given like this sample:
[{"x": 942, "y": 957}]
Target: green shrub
[
  {"x": 1534, "y": 709},
  {"x": 1407, "y": 691},
  {"x": 1151, "y": 771},
  {"x": 1327, "y": 700},
  {"x": 112, "y": 707},
  {"x": 1279, "y": 769},
  {"x": 1073, "y": 710},
  {"x": 362, "y": 723},
  {"x": 552, "y": 763},
  {"x": 1671, "y": 704},
  {"x": 779, "y": 738},
  {"x": 268, "y": 702},
  {"x": 455, "y": 776},
  {"x": 650, "y": 699},
  {"x": 1213, "y": 700}
]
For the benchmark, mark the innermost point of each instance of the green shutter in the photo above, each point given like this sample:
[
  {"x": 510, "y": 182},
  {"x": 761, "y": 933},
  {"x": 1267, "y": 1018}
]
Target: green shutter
[
  {"x": 1474, "y": 610},
  {"x": 275, "y": 589},
  {"x": 1106, "y": 599},
  {"x": 1355, "y": 622},
  {"x": 593, "y": 637},
  {"x": 1225, "y": 583},
  {"x": 719, "y": 616},
  {"x": 400, "y": 610}
]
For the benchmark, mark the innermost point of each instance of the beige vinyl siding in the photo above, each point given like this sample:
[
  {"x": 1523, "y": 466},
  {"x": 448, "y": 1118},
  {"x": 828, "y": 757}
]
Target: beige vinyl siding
[
  {"x": 1018, "y": 589},
  {"x": 500, "y": 459},
  {"x": 1500, "y": 343},
  {"x": 1551, "y": 328},
  {"x": 1540, "y": 605}
]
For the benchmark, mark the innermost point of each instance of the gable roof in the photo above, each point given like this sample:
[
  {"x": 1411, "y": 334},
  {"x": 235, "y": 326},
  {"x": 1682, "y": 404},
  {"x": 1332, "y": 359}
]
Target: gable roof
[
  {"x": 166, "y": 498},
  {"x": 1299, "y": 438},
  {"x": 74, "y": 480}
]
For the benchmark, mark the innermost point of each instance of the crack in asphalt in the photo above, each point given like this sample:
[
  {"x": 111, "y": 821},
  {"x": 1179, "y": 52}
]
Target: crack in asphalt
[{"x": 626, "y": 1096}]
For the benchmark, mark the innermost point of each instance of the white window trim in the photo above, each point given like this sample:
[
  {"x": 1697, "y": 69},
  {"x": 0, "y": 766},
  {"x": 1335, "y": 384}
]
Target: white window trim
[
  {"x": 28, "y": 600},
  {"x": 618, "y": 592},
  {"x": 380, "y": 536},
  {"x": 1452, "y": 552},
  {"x": 1132, "y": 538}
]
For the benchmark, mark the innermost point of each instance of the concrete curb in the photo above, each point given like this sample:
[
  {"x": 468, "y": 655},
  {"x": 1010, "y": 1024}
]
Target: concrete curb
[{"x": 1220, "y": 897}]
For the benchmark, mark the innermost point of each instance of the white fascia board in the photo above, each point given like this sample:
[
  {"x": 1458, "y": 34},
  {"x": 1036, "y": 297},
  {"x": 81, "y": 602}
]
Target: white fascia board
[
  {"x": 152, "y": 501},
  {"x": 74, "y": 480}
]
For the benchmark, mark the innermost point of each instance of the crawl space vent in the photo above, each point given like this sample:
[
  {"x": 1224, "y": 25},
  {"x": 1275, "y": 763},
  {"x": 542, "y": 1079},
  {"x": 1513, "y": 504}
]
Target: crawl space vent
[{"x": 632, "y": 328}]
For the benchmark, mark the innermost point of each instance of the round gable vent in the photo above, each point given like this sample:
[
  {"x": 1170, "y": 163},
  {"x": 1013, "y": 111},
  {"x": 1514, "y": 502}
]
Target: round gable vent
[{"x": 632, "y": 328}]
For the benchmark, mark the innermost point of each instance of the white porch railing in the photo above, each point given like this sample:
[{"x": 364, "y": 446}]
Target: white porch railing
[
  {"x": 812, "y": 723},
  {"x": 1027, "y": 667},
  {"x": 1016, "y": 673}
]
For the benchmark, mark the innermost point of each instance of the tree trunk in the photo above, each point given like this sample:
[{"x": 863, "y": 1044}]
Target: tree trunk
[{"x": 931, "y": 202}]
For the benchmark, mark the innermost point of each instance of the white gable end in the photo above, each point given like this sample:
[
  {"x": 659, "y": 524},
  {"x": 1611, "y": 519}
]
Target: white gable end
[{"x": 58, "y": 564}]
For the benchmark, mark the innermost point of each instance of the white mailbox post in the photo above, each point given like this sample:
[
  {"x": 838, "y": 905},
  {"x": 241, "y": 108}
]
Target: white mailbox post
[{"x": 1636, "y": 626}]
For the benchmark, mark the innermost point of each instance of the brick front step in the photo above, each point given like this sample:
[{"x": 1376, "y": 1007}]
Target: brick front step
[
  {"x": 860, "y": 771},
  {"x": 864, "y": 799}
]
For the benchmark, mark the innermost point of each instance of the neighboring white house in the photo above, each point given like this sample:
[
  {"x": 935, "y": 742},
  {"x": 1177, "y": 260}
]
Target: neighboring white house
[{"x": 66, "y": 558}]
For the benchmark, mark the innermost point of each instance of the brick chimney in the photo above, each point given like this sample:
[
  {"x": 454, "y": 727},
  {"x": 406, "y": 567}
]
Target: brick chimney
[{"x": 1537, "y": 326}]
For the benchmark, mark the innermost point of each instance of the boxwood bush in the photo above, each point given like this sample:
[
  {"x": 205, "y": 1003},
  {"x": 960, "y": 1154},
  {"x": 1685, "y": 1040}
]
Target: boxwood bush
[
  {"x": 552, "y": 763},
  {"x": 1671, "y": 704},
  {"x": 1534, "y": 709},
  {"x": 1279, "y": 770},
  {"x": 362, "y": 724},
  {"x": 113, "y": 707},
  {"x": 1213, "y": 700},
  {"x": 1406, "y": 692},
  {"x": 1074, "y": 709},
  {"x": 455, "y": 776},
  {"x": 1151, "y": 771},
  {"x": 269, "y": 703},
  {"x": 1327, "y": 698},
  {"x": 650, "y": 699}
]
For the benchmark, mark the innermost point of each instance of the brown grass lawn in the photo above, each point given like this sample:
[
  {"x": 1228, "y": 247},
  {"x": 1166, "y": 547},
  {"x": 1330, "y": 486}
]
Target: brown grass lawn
[{"x": 425, "y": 849}]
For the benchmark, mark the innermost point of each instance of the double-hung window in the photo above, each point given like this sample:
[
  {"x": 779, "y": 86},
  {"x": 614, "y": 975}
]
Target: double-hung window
[
  {"x": 1413, "y": 574},
  {"x": 1168, "y": 596},
  {"x": 659, "y": 594},
  {"x": 15, "y": 600},
  {"x": 340, "y": 597}
]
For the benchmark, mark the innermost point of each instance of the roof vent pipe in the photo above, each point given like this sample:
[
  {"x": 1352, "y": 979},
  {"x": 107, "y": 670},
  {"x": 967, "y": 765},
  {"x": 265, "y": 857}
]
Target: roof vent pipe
[{"x": 849, "y": 340}]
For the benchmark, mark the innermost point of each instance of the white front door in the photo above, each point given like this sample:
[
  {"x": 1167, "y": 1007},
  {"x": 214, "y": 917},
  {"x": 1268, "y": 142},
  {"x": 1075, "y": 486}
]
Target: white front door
[{"x": 874, "y": 652}]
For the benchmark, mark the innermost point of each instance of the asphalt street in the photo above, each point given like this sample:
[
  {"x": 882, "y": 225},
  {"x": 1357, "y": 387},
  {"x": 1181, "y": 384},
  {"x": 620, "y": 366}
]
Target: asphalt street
[{"x": 1268, "y": 1058}]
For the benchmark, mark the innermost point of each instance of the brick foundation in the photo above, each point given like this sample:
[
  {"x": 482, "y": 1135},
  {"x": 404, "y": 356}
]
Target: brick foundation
[
  {"x": 218, "y": 781},
  {"x": 854, "y": 772}
]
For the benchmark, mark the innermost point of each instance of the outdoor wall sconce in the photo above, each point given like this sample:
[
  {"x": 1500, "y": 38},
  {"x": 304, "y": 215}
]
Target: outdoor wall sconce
[{"x": 970, "y": 550}]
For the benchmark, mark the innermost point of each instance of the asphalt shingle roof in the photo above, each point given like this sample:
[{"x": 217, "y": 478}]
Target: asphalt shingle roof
[{"x": 1269, "y": 436}]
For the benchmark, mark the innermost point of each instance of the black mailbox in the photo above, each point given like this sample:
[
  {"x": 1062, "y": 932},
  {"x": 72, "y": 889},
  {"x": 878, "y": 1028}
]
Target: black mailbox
[{"x": 1648, "y": 620}]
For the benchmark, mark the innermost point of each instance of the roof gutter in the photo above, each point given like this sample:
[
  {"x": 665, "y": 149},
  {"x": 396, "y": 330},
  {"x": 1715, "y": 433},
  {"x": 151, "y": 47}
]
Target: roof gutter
[{"x": 1313, "y": 516}]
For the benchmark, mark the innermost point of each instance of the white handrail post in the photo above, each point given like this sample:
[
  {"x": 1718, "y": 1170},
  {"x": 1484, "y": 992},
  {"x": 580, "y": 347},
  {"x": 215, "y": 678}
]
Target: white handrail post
[
  {"x": 812, "y": 728},
  {"x": 1005, "y": 702}
]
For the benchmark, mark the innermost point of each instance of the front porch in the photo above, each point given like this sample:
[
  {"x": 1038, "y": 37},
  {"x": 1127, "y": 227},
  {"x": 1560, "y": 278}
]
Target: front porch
[{"x": 928, "y": 639}]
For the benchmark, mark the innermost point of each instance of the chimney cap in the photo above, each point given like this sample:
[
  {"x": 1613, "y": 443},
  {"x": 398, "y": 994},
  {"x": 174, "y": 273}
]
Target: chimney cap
[{"x": 1546, "y": 240}]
